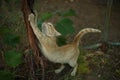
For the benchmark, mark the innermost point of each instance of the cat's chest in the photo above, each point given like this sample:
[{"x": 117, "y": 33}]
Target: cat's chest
[{"x": 47, "y": 47}]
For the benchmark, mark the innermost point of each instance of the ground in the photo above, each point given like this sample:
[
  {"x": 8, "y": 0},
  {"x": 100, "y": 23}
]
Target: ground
[{"x": 90, "y": 13}]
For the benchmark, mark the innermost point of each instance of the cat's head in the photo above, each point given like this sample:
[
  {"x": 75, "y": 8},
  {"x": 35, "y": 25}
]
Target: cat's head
[{"x": 49, "y": 30}]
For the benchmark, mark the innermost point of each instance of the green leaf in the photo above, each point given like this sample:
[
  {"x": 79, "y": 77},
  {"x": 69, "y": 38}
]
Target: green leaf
[
  {"x": 46, "y": 16},
  {"x": 40, "y": 23},
  {"x": 13, "y": 58},
  {"x": 83, "y": 68},
  {"x": 6, "y": 75},
  {"x": 61, "y": 40},
  {"x": 83, "y": 64},
  {"x": 4, "y": 30},
  {"x": 11, "y": 39},
  {"x": 70, "y": 12},
  {"x": 65, "y": 26}
]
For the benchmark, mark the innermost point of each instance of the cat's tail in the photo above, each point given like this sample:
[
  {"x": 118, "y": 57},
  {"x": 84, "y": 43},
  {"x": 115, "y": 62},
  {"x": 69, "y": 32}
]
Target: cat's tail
[{"x": 82, "y": 33}]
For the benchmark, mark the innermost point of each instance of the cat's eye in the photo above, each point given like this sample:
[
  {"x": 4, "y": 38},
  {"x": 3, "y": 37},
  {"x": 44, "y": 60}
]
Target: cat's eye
[{"x": 50, "y": 24}]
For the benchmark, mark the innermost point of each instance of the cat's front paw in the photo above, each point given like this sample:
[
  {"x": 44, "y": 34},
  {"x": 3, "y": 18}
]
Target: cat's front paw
[
  {"x": 57, "y": 71},
  {"x": 31, "y": 17}
]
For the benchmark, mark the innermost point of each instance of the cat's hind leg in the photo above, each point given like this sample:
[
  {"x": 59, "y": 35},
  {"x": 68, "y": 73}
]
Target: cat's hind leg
[
  {"x": 74, "y": 65},
  {"x": 60, "y": 69}
]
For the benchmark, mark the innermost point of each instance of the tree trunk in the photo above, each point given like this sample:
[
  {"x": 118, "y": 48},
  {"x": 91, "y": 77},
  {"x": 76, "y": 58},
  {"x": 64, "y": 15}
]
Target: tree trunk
[{"x": 27, "y": 8}]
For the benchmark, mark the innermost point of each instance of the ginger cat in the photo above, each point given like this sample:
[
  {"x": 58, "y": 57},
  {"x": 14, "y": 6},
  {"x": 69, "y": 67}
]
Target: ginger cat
[{"x": 47, "y": 43}]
